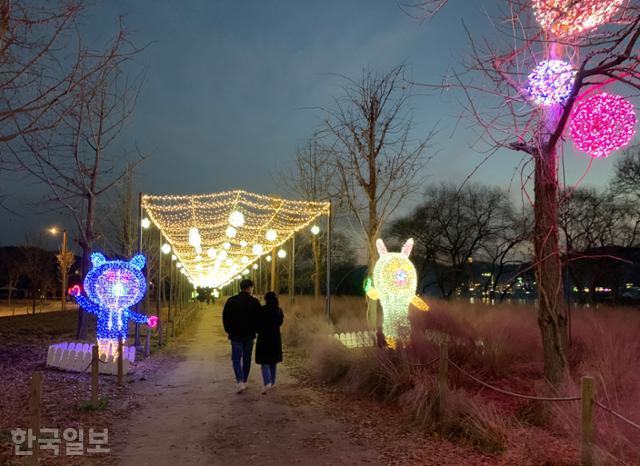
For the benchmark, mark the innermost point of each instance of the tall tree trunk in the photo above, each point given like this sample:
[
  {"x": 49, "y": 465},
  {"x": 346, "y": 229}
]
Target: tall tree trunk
[
  {"x": 374, "y": 312},
  {"x": 552, "y": 313},
  {"x": 86, "y": 243}
]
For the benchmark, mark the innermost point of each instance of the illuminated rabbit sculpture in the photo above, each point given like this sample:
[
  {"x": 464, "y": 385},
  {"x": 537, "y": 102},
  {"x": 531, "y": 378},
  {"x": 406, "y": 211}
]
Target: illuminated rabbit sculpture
[
  {"x": 395, "y": 281},
  {"x": 112, "y": 287}
]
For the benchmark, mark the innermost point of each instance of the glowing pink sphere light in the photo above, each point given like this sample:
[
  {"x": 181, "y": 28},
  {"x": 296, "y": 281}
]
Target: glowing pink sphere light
[
  {"x": 602, "y": 124},
  {"x": 550, "y": 82}
]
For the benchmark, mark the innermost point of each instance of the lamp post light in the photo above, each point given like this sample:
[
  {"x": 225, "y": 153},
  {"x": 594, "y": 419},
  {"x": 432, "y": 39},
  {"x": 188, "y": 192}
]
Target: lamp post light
[{"x": 65, "y": 260}]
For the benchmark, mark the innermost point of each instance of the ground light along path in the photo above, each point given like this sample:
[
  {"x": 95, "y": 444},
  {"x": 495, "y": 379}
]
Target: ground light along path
[{"x": 192, "y": 415}]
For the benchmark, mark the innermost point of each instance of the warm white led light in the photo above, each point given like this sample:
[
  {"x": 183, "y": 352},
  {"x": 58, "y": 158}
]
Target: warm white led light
[
  {"x": 166, "y": 248},
  {"x": 231, "y": 232}
]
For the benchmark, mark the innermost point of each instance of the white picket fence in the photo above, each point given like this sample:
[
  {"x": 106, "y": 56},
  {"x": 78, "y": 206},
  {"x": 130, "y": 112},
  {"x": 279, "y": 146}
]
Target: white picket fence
[
  {"x": 76, "y": 357},
  {"x": 356, "y": 339}
]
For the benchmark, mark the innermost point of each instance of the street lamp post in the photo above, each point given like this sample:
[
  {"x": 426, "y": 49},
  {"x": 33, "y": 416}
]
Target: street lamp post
[{"x": 64, "y": 262}]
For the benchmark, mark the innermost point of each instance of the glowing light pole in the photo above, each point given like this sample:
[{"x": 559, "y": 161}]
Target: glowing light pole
[{"x": 65, "y": 260}]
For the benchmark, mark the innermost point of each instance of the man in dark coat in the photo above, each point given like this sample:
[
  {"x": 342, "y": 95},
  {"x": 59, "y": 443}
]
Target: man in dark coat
[{"x": 239, "y": 317}]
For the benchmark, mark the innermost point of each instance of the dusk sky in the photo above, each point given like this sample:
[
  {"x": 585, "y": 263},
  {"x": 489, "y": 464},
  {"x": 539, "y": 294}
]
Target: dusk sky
[{"x": 231, "y": 89}]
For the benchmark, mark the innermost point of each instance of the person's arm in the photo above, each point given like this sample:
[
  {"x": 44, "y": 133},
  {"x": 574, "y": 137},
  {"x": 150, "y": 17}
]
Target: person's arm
[
  {"x": 256, "y": 318},
  {"x": 226, "y": 311},
  {"x": 151, "y": 321}
]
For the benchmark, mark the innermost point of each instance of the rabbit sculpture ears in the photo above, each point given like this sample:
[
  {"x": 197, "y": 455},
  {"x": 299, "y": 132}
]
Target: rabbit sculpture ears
[{"x": 405, "y": 251}]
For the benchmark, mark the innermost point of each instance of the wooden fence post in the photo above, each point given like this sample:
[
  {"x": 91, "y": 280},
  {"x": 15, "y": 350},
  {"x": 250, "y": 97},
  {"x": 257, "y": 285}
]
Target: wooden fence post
[
  {"x": 94, "y": 376},
  {"x": 442, "y": 379},
  {"x": 35, "y": 400},
  {"x": 587, "y": 421},
  {"x": 120, "y": 361}
]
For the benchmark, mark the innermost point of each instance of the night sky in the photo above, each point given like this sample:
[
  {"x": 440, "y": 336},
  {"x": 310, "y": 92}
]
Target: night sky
[{"x": 231, "y": 89}]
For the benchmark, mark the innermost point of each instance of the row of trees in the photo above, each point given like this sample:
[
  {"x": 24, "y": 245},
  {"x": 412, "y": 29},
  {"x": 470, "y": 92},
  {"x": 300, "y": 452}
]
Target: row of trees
[
  {"x": 63, "y": 108},
  {"x": 32, "y": 268},
  {"x": 453, "y": 226}
]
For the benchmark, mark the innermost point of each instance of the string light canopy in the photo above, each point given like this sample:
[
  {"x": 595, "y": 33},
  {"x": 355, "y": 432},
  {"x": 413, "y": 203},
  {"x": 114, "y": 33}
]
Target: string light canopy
[
  {"x": 602, "y": 124},
  {"x": 216, "y": 237},
  {"x": 566, "y": 18}
]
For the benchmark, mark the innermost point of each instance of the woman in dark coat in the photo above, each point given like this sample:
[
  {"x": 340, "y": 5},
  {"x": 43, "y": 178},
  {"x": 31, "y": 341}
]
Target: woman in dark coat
[{"x": 269, "y": 344}]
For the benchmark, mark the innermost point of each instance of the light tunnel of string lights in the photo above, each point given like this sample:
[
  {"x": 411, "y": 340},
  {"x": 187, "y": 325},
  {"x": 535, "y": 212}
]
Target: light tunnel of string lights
[{"x": 219, "y": 236}]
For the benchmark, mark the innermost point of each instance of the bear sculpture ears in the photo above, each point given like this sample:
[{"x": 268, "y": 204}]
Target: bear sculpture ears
[{"x": 137, "y": 262}]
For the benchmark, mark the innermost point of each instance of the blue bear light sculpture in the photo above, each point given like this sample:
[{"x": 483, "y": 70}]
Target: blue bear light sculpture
[{"x": 111, "y": 288}]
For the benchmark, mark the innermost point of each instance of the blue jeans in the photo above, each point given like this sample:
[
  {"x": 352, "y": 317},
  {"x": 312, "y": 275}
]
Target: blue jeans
[
  {"x": 269, "y": 374},
  {"x": 241, "y": 358}
]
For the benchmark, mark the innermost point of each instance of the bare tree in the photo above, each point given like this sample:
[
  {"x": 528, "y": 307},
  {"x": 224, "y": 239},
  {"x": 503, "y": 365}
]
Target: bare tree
[
  {"x": 121, "y": 215},
  {"x": 43, "y": 62},
  {"x": 592, "y": 221},
  {"x": 627, "y": 173},
  {"x": 452, "y": 225},
  {"x": 311, "y": 177},
  {"x": 78, "y": 161},
  {"x": 494, "y": 94},
  {"x": 38, "y": 268},
  {"x": 12, "y": 261},
  {"x": 507, "y": 250},
  {"x": 368, "y": 135}
]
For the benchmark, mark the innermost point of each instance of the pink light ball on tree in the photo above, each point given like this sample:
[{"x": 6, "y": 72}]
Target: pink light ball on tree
[
  {"x": 602, "y": 124},
  {"x": 566, "y": 18},
  {"x": 550, "y": 82}
]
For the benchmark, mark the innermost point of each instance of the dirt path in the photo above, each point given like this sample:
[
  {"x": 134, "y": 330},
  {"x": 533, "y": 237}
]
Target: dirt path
[{"x": 192, "y": 415}]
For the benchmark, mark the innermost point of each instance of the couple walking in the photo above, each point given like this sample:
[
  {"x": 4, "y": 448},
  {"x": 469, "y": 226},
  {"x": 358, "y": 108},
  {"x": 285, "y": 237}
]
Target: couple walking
[{"x": 243, "y": 317}]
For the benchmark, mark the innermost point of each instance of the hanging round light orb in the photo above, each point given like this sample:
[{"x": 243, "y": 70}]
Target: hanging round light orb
[
  {"x": 551, "y": 82},
  {"x": 174, "y": 257},
  {"x": 211, "y": 252},
  {"x": 268, "y": 258},
  {"x": 166, "y": 248},
  {"x": 243, "y": 244},
  {"x": 255, "y": 266},
  {"x": 315, "y": 230},
  {"x": 602, "y": 124},
  {"x": 145, "y": 223},
  {"x": 231, "y": 232},
  {"x": 245, "y": 272},
  {"x": 565, "y": 18},
  {"x": 236, "y": 219},
  {"x": 226, "y": 245},
  {"x": 282, "y": 253},
  {"x": 271, "y": 235},
  {"x": 194, "y": 237},
  {"x": 244, "y": 260},
  {"x": 257, "y": 249},
  {"x": 179, "y": 265}
]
